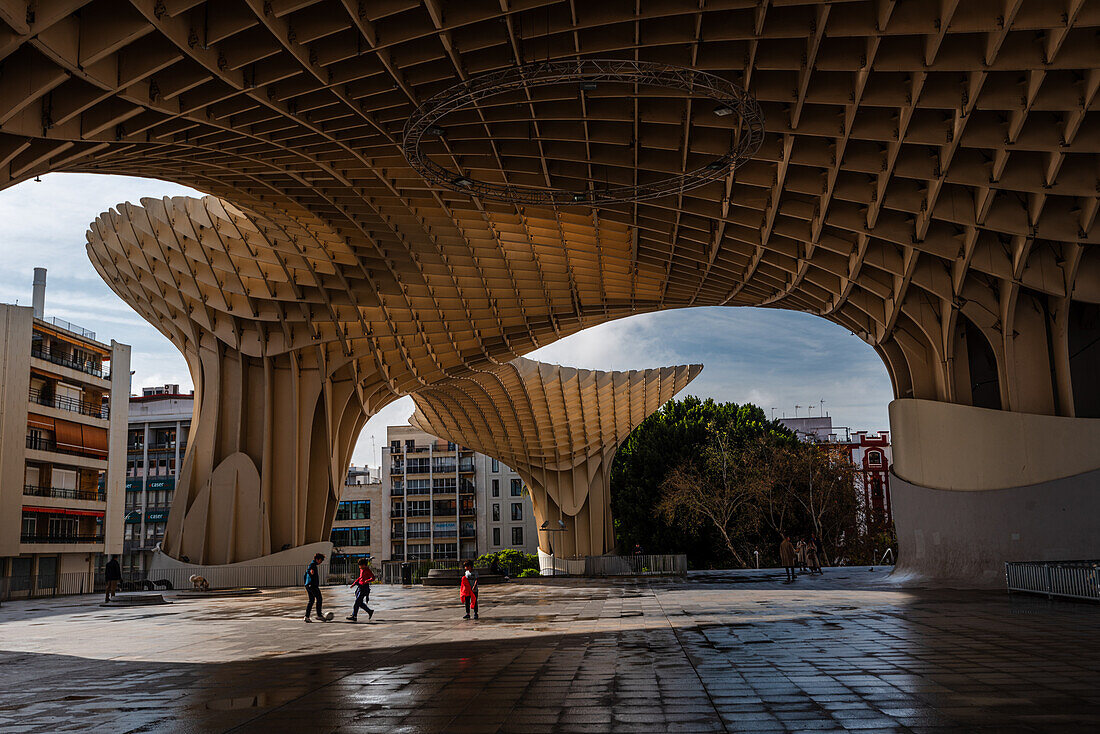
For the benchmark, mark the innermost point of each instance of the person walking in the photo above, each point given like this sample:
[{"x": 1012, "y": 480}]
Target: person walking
[
  {"x": 800, "y": 551},
  {"x": 816, "y": 542},
  {"x": 811, "y": 559},
  {"x": 112, "y": 574},
  {"x": 467, "y": 588},
  {"x": 787, "y": 557},
  {"x": 362, "y": 591},
  {"x": 313, "y": 588}
]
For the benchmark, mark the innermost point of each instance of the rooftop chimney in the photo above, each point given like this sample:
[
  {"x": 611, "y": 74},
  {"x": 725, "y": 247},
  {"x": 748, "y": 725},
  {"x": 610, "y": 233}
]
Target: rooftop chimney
[{"x": 38, "y": 299}]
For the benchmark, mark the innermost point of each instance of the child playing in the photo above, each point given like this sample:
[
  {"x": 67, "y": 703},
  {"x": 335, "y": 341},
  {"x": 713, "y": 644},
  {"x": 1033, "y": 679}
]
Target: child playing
[
  {"x": 362, "y": 591},
  {"x": 467, "y": 590}
]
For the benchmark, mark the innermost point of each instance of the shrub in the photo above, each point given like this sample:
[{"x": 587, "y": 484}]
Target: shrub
[{"x": 528, "y": 573}]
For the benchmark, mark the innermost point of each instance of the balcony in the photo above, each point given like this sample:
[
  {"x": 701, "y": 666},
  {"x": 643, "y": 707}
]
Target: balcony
[
  {"x": 88, "y": 368},
  {"x": 37, "y": 443},
  {"x": 397, "y": 492},
  {"x": 397, "y": 469},
  {"x": 419, "y": 513},
  {"x": 397, "y": 512},
  {"x": 414, "y": 535},
  {"x": 70, "y": 404},
  {"x": 31, "y": 490},
  {"x": 59, "y": 539}
]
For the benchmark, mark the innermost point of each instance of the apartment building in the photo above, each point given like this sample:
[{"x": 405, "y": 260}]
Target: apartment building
[
  {"x": 63, "y": 412},
  {"x": 160, "y": 420},
  {"x": 355, "y": 531},
  {"x": 448, "y": 502}
]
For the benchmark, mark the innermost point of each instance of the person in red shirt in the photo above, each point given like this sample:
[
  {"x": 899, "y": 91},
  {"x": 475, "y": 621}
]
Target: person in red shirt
[
  {"x": 362, "y": 591},
  {"x": 467, "y": 589}
]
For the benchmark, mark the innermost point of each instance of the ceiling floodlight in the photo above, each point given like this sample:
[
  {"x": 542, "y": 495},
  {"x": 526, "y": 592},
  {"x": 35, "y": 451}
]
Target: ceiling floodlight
[
  {"x": 746, "y": 126},
  {"x": 434, "y": 130}
]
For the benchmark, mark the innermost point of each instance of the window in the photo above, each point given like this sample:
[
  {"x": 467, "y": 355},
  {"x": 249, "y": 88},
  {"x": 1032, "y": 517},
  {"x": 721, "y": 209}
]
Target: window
[
  {"x": 395, "y": 447},
  {"x": 517, "y": 511},
  {"x": 445, "y": 550},
  {"x": 517, "y": 536},
  {"x": 410, "y": 444},
  {"x": 342, "y": 537},
  {"x": 420, "y": 508},
  {"x": 445, "y": 529},
  {"x": 496, "y": 487},
  {"x": 874, "y": 457},
  {"x": 496, "y": 536},
  {"x": 496, "y": 512},
  {"x": 355, "y": 510},
  {"x": 29, "y": 525},
  {"x": 496, "y": 465},
  {"x": 517, "y": 487}
]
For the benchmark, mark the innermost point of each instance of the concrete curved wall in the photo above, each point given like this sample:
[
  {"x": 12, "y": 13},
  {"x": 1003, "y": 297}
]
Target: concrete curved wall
[
  {"x": 963, "y": 448},
  {"x": 965, "y": 538},
  {"x": 974, "y": 488}
]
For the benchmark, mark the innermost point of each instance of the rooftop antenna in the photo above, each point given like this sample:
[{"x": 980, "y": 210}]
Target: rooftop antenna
[
  {"x": 796, "y": 410},
  {"x": 773, "y": 413},
  {"x": 822, "y": 401}
]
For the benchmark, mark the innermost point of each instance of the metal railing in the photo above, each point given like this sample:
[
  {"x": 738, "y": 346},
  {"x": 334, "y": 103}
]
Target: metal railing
[
  {"x": 48, "y": 444},
  {"x": 88, "y": 368},
  {"x": 31, "y": 490},
  {"x": 70, "y": 326},
  {"x": 1068, "y": 579},
  {"x": 69, "y": 538},
  {"x": 73, "y": 405},
  {"x": 42, "y": 585},
  {"x": 637, "y": 565}
]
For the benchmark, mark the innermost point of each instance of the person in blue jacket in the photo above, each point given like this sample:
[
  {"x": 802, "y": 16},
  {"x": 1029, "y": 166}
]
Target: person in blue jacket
[{"x": 313, "y": 588}]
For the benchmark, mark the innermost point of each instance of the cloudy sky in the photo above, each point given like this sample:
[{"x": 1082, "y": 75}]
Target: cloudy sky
[{"x": 776, "y": 359}]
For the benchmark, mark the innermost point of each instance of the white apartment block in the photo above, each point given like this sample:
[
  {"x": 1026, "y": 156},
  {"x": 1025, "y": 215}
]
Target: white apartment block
[
  {"x": 447, "y": 502},
  {"x": 160, "y": 420}
]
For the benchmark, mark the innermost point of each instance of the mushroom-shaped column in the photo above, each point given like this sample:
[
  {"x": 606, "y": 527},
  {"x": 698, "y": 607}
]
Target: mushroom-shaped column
[
  {"x": 559, "y": 428},
  {"x": 278, "y": 392}
]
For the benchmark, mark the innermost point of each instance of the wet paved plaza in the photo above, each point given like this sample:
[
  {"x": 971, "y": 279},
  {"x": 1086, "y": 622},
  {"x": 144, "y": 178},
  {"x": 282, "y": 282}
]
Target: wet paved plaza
[{"x": 732, "y": 651}]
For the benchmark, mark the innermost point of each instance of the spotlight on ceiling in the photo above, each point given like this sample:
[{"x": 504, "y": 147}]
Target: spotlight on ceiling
[
  {"x": 462, "y": 181},
  {"x": 580, "y": 196},
  {"x": 588, "y": 86},
  {"x": 433, "y": 130},
  {"x": 716, "y": 165},
  {"x": 723, "y": 110}
]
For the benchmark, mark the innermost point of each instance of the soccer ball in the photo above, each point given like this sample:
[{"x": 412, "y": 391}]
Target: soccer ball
[{"x": 328, "y": 616}]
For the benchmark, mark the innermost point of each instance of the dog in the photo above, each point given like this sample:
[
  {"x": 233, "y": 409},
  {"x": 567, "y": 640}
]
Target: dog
[{"x": 198, "y": 583}]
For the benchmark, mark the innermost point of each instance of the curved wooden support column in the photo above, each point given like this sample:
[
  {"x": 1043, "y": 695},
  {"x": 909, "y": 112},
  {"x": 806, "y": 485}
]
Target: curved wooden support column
[{"x": 270, "y": 442}]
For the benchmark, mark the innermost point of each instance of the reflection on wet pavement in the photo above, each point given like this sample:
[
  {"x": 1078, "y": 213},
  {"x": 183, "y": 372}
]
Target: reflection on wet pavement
[{"x": 720, "y": 651}]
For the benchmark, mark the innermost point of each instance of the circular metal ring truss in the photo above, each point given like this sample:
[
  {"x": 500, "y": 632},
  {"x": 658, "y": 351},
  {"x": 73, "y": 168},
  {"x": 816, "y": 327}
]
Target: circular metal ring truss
[{"x": 730, "y": 100}]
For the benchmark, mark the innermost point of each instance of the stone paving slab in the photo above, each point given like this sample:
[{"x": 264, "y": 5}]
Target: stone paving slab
[{"x": 717, "y": 652}]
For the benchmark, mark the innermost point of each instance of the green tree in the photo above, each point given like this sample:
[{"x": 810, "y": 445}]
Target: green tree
[{"x": 679, "y": 432}]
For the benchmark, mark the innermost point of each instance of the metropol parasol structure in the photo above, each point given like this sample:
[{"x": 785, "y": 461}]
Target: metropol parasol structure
[{"x": 406, "y": 196}]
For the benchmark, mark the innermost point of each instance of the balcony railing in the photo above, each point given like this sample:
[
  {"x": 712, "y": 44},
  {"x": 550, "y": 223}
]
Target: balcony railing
[
  {"x": 32, "y": 490},
  {"x": 71, "y": 538},
  {"x": 70, "y": 326},
  {"x": 89, "y": 368},
  {"x": 46, "y": 444},
  {"x": 418, "y": 513},
  {"x": 74, "y": 405},
  {"x": 397, "y": 469},
  {"x": 397, "y": 512},
  {"x": 413, "y": 534}
]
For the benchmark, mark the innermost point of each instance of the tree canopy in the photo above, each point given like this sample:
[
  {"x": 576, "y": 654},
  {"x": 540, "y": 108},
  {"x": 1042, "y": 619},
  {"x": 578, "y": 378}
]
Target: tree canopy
[{"x": 718, "y": 481}]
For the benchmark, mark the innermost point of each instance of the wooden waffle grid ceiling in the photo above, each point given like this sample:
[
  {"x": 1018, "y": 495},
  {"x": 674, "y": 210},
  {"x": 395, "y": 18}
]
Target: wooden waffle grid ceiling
[{"x": 920, "y": 159}]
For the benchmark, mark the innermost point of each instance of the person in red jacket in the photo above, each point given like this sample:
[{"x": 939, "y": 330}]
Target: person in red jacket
[
  {"x": 362, "y": 591},
  {"x": 467, "y": 589}
]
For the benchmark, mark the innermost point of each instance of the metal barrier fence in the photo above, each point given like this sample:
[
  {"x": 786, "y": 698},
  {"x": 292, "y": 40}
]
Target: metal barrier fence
[
  {"x": 45, "y": 585},
  {"x": 1068, "y": 579},
  {"x": 638, "y": 565}
]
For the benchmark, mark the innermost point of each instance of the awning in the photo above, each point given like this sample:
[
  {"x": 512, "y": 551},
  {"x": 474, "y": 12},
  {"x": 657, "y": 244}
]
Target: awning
[
  {"x": 38, "y": 421},
  {"x": 95, "y": 439},
  {"x": 65, "y": 511},
  {"x": 68, "y": 436}
]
